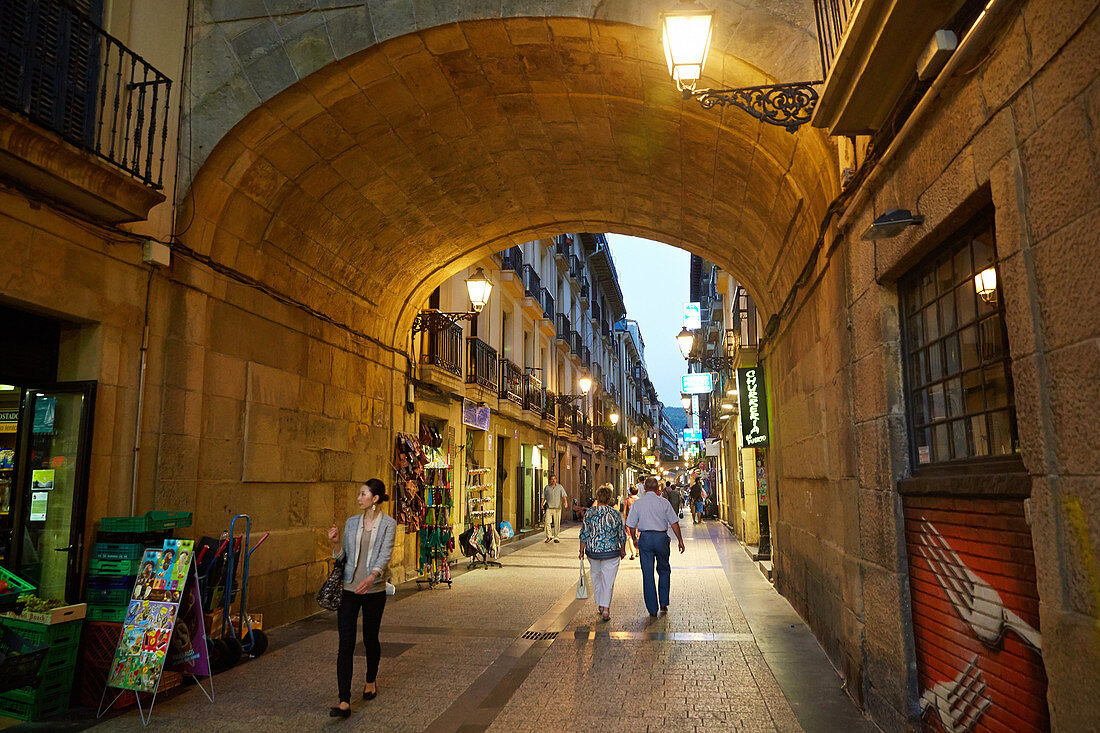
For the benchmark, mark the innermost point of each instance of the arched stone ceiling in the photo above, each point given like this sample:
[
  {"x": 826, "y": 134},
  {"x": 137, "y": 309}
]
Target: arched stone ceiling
[{"x": 382, "y": 174}]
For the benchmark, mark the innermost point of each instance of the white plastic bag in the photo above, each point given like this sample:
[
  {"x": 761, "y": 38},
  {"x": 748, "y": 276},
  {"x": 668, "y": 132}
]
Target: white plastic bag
[{"x": 582, "y": 584}]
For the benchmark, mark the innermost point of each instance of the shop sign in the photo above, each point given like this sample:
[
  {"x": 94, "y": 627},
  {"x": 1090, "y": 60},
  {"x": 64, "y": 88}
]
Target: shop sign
[
  {"x": 650, "y": 460},
  {"x": 693, "y": 435},
  {"x": 693, "y": 319},
  {"x": 475, "y": 415},
  {"x": 8, "y": 427},
  {"x": 753, "y": 404},
  {"x": 9, "y": 415},
  {"x": 713, "y": 448},
  {"x": 699, "y": 383}
]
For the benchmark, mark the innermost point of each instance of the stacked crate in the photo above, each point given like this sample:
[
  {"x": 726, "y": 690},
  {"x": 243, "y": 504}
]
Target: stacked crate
[
  {"x": 111, "y": 573},
  {"x": 100, "y": 641},
  {"x": 51, "y": 694}
]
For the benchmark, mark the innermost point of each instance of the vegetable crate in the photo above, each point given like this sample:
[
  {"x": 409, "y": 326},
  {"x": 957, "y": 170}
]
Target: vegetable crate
[
  {"x": 20, "y": 662},
  {"x": 51, "y": 696},
  {"x": 15, "y": 588},
  {"x": 151, "y": 522}
]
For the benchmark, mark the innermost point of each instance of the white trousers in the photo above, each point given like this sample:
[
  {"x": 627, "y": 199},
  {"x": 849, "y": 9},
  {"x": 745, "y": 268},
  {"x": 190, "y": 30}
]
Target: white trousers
[
  {"x": 553, "y": 517},
  {"x": 603, "y": 579}
]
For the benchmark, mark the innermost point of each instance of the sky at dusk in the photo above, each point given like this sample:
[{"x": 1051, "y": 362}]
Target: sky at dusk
[{"x": 654, "y": 280}]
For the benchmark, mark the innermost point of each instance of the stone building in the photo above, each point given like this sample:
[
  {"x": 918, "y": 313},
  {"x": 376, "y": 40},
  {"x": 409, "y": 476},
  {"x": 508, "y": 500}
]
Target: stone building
[{"x": 328, "y": 166}]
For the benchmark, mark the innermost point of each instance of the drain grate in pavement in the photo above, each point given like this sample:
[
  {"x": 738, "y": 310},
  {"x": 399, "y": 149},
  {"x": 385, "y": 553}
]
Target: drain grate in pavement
[{"x": 539, "y": 635}]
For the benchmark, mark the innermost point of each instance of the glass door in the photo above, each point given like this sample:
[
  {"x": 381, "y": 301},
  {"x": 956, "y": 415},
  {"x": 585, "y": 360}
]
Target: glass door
[{"x": 51, "y": 469}]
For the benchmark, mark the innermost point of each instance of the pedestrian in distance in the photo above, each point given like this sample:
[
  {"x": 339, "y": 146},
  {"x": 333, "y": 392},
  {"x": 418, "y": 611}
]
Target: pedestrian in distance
[
  {"x": 674, "y": 497},
  {"x": 696, "y": 496},
  {"x": 554, "y": 499},
  {"x": 603, "y": 540},
  {"x": 649, "y": 521},
  {"x": 629, "y": 503},
  {"x": 366, "y": 546}
]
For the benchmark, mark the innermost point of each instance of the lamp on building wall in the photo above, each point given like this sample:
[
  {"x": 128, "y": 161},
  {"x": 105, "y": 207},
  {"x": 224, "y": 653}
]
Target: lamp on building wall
[
  {"x": 685, "y": 340},
  {"x": 614, "y": 418},
  {"x": 985, "y": 285},
  {"x": 685, "y": 400},
  {"x": 478, "y": 288},
  {"x": 891, "y": 223},
  {"x": 686, "y": 33},
  {"x": 634, "y": 440},
  {"x": 585, "y": 383}
]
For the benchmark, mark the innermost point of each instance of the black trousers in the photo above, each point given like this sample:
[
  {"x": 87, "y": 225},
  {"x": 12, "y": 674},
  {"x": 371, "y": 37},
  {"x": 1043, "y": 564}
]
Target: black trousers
[{"x": 372, "y": 605}]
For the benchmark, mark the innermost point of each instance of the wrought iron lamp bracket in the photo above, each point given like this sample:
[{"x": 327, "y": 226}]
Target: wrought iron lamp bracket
[
  {"x": 786, "y": 105},
  {"x": 568, "y": 399},
  {"x": 714, "y": 363},
  {"x": 423, "y": 319}
]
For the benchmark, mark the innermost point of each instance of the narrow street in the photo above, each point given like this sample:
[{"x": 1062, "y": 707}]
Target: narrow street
[{"x": 730, "y": 656}]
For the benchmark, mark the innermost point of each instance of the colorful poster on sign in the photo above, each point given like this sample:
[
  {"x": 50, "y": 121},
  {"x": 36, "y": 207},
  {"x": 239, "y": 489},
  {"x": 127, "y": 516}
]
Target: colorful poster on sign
[
  {"x": 44, "y": 410},
  {"x": 150, "y": 618},
  {"x": 42, "y": 479},
  {"x": 187, "y": 652},
  {"x": 39, "y": 502}
]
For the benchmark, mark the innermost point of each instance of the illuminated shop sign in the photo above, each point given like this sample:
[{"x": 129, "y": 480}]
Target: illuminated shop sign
[
  {"x": 693, "y": 436},
  {"x": 700, "y": 383},
  {"x": 754, "y": 408},
  {"x": 693, "y": 318}
]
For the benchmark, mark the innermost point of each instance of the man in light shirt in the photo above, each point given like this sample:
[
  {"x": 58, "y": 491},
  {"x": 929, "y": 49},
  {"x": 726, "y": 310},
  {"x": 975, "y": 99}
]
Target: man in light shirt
[
  {"x": 649, "y": 520},
  {"x": 553, "y": 499}
]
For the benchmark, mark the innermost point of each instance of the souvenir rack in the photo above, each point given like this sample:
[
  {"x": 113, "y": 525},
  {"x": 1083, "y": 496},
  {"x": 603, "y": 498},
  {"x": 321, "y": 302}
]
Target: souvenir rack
[
  {"x": 435, "y": 540},
  {"x": 484, "y": 542}
]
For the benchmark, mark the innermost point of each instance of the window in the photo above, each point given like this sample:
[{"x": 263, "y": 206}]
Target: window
[{"x": 958, "y": 376}]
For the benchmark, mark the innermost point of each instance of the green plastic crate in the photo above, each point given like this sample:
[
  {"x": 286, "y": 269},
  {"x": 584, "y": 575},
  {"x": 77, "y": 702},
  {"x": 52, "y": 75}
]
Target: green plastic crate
[
  {"x": 30, "y": 703},
  {"x": 151, "y": 522},
  {"x": 112, "y": 614},
  {"x": 16, "y": 587},
  {"x": 100, "y": 566},
  {"x": 118, "y": 551},
  {"x": 45, "y": 634},
  {"x": 60, "y": 659},
  {"x": 113, "y": 597}
]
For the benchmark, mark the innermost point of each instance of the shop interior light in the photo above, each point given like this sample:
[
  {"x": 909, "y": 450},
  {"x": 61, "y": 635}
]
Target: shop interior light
[
  {"x": 614, "y": 418},
  {"x": 723, "y": 417},
  {"x": 685, "y": 35},
  {"x": 479, "y": 287},
  {"x": 727, "y": 406},
  {"x": 7, "y": 387},
  {"x": 985, "y": 285},
  {"x": 731, "y": 390},
  {"x": 685, "y": 340}
]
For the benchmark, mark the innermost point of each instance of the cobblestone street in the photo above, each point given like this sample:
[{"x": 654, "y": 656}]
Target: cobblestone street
[{"x": 730, "y": 655}]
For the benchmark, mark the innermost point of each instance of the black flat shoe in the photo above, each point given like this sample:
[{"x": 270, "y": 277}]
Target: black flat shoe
[
  {"x": 370, "y": 695},
  {"x": 339, "y": 712}
]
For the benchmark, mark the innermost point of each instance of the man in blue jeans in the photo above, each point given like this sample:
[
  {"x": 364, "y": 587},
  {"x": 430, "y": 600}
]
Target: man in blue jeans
[{"x": 649, "y": 520}]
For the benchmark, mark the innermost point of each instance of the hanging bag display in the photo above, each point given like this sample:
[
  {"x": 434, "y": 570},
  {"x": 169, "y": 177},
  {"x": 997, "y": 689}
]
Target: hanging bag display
[
  {"x": 582, "y": 584},
  {"x": 332, "y": 590}
]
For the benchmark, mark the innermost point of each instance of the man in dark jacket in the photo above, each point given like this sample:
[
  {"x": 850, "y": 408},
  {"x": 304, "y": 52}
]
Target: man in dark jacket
[
  {"x": 673, "y": 497},
  {"x": 696, "y": 501}
]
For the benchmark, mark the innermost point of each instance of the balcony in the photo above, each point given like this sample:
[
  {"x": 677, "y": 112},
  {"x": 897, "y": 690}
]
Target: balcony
[
  {"x": 511, "y": 382},
  {"x": 586, "y": 356},
  {"x": 89, "y": 117},
  {"x": 547, "y": 304},
  {"x": 596, "y": 312},
  {"x": 533, "y": 395},
  {"x": 868, "y": 53},
  {"x": 584, "y": 292},
  {"x": 481, "y": 364},
  {"x": 575, "y": 267},
  {"x": 532, "y": 286},
  {"x": 564, "y": 327},
  {"x": 576, "y": 343},
  {"x": 563, "y": 246},
  {"x": 549, "y": 406},
  {"x": 441, "y": 343},
  {"x": 512, "y": 259}
]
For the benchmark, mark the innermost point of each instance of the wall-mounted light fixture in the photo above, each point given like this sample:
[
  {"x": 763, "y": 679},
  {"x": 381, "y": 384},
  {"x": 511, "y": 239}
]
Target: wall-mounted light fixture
[
  {"x": 891, "y": 223},
  {"x": 985, "y": 285},
  {"x": 478, "y": 288}
]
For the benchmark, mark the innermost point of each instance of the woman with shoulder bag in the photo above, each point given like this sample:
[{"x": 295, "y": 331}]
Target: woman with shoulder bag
[
  {"x": 366, "y": 546},
  {"x": 603, "y": 540}
]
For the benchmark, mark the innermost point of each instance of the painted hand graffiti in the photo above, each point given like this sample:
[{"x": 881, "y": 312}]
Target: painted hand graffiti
[
  {"x": 975, "y": 600},
  {"x": 961, "y": 703}
]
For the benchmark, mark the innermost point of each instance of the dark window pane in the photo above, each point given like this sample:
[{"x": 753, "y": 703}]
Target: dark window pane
[
  {"x": 935, "y": 362},
  {"x": 937, "y": 411},
  {"x": 963, "y": 269},
  {"x": 945, "y": 279},
  {"x": 941, "y": 445},
  {"x": 954, "y": 397},
  {"x": 996, "y": 387},
  {"x": 918, "y": 369},
  {"x": 947, "y": 312},
  {"x": 973, "y": 392},
  {"x": 931, "y": 323},
  {"x": 920, "y": 415},
  {"x": 965, "y": 310},
  {"x": 993, "y": 340},
  {"x": 916, "y": 332},
  {"x": 968, "y": 348},
  {"x": 979, "y": 439},
  {"x": 1000, "y": 433},
  {"x": 958, "y": 438},
  {"x": 982, "y": 246},
  {"x": 927, "y": 288},
  {"x": 951, "y": 354}
]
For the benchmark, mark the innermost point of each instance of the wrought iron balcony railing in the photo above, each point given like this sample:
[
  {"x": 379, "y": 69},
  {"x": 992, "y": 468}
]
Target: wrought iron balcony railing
[
  {"x": 584, "y": 287},
  {"x": 511, "y": 382},
  {"x": 512, "y": 259},
  {"x": 65, "y": 73},
  {"x": 547, "y": 304},
  {"x": 532, "y": 285},
  {"x": 441, "y": 342},
  {"x": 575, "y": 343},
  {"x": 596, "y": 313},
  {"x": 832, "y": 23},
  {"x": 564, "y": 327},
  {"x": 586, "y": 356},
  {"x": 563, "y": 245},
  {"x": 575, "y": 267},
  {"x": 481, "y": 364},
  {"x": 533, "y": 394},
  {"x": 549, "y": 406}
]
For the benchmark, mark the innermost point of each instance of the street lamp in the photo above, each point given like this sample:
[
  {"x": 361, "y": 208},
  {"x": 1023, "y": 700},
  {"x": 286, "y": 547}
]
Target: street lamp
[
  {"x": 478, "y": 288},
  {"x": 686, "y": 33},
  {"x": 634, "y": 440},
  {"x": 614, "y": 418},
  {"x": 985, "y": 285},
  {"x": 685, "y": 340},
  {"x": 585, "y": 383},
  {"x": 685, "y": 400}
]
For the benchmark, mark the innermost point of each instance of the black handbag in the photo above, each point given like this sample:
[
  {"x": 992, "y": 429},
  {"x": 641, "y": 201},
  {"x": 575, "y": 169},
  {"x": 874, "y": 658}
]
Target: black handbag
[{"x": 332, "y": 590}]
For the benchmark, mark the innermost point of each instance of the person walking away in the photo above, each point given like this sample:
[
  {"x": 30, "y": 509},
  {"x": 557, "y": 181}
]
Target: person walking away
[
  {"x": 696, "y": 502},
  {"x": 553, "y": 500},
  {"x": 366, "y": 546},
  {"x": 649, "y": 521},
  {"x": 674, "y": 498},
  {"x": 603, "y": 540},
  {"x": 629, "y": 503}
]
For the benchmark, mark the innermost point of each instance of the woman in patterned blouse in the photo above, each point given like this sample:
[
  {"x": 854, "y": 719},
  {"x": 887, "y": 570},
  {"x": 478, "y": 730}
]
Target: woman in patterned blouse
[{"x": 603, "y": 539}]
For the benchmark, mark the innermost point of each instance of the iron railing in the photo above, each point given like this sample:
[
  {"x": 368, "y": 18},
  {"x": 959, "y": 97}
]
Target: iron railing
[
  {"x": 586, "y": 356},
  {"x": 584, "y": 287},
  {"x": 563, "y": 245},
  {"x": 596, "y": 313},
  {"x": 533, "y": 396},
  {"x": 575, "y": 343},
  {"x": 532, "y": 285},
  {"x": 549, "y": 406},
  {"x": 832, "y": 23},
  {"x": 512, "y": 259},
  {"x": 547, "y": 304},
  {"x": 575, "y": 267},
  {"x": 564, "y": 327},
  {"x": 65, "y": 73},
  {"x": 441, "y": 342},
  {"x": 481, "y": 363},
  {"x": 511, "y": 382}
]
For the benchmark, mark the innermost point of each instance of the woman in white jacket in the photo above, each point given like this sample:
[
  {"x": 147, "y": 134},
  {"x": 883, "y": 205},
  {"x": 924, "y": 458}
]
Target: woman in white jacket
[{"x": 367, "y": 546}]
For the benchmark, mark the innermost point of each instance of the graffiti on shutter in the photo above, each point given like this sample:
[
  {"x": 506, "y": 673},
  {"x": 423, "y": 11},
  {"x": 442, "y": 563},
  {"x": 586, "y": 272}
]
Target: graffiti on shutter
[{"x": 975, "y": 615}]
